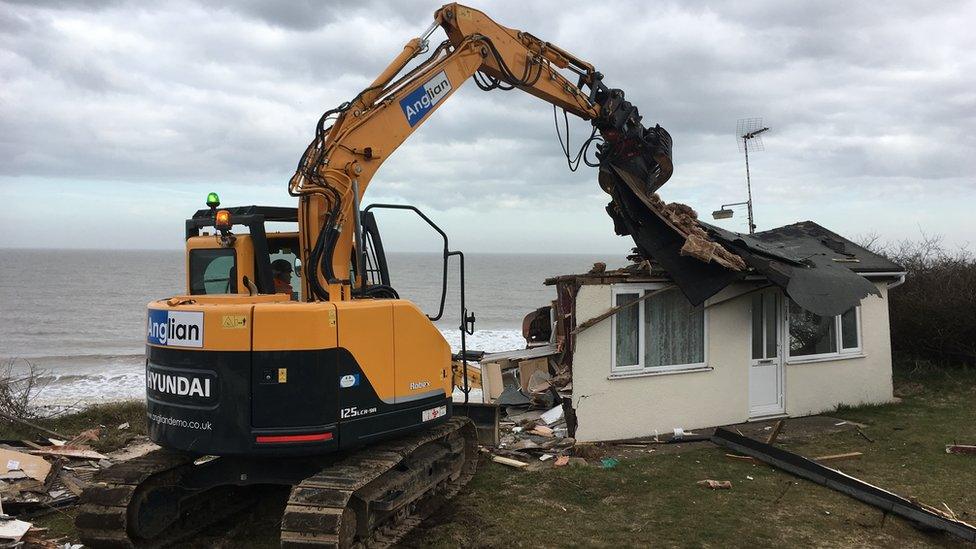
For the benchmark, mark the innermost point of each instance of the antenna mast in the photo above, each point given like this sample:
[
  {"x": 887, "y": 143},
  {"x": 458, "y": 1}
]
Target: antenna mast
[{"x": 746, "y": 130}]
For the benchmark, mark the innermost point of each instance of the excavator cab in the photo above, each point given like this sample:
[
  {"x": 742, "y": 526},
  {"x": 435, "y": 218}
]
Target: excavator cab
[{"x": 225, "y": 262}]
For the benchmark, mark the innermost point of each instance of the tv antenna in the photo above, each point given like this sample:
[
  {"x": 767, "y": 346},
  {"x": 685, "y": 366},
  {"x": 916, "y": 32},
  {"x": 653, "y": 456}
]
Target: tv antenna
[{"x": 746, "y": 130}]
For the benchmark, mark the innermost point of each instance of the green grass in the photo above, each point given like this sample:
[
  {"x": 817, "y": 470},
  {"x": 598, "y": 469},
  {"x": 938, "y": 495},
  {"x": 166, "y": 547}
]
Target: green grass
[
  {"x": 106, "y": 417},
  {"x": 652, "y": 500}
]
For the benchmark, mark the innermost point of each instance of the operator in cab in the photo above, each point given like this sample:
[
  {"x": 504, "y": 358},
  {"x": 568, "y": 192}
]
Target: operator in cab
[{"x": 281, "y": 273}]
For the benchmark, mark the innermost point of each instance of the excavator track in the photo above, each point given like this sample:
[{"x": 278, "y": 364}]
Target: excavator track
[
  {"x": 123, "y": 507},
  {"x": 370, "y": 497},
  {"x": 375, "y": 496}
]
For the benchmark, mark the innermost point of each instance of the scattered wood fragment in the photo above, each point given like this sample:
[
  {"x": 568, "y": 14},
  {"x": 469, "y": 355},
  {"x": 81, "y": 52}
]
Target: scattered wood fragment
[
  {"x": 561, "y": 461},
  {"x": 776, "y": 429},
  {"x": 74, "y": 484},
  {"x": 508, "y": 461},
  {"x": 960, "y": 449},
  {"x": 542, "y": 431},
  {"x": 838, "y": 457},
  {"x": 716, "y": 484},
  {"x": 748, "y": 459},
  {"x": 69, "y": 451},
  {"x": 84, "y": 436},
  {"x": 614, "y": 310},
  {"x": 924, "y": 515},
  {"x": 867, "y": 438}
]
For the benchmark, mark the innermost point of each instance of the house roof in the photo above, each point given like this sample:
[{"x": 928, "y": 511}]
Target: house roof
[
  {"x": 806, "y": 238},
  {"x": 815, "y": 266}
]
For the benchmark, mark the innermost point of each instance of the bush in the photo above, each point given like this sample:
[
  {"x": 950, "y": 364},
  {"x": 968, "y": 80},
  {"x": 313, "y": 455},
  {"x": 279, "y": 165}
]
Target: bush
[
  {"x": 933, "y": 314},
  {"x": 18, "y": 391}
]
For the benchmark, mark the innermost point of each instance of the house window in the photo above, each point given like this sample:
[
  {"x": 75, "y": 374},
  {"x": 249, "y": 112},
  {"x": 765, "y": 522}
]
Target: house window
[
  {"x": 814, "y": 336},
  {"x": 662, "y": 333}
]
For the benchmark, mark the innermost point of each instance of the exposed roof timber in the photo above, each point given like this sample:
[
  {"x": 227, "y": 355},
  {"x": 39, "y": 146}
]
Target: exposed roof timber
[{"x": 818, "y": 269}]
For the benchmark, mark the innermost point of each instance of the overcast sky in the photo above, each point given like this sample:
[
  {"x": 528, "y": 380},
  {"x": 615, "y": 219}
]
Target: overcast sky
[{"x": 116, "y": 118}]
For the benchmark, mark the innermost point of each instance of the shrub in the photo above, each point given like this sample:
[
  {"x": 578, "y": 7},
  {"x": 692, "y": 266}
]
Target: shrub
[
  {"x": 18, "y": 390},
  {"x": 933, "y": 314}
]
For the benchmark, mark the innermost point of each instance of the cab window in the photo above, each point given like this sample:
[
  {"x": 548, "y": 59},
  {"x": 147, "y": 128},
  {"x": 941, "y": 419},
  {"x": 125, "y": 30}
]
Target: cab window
[
  {"x": 213, "y": 271},
  {"x": 285, "y": 249}
]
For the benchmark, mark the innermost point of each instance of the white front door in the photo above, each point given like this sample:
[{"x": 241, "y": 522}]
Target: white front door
[{"x": 766, "y": 367}]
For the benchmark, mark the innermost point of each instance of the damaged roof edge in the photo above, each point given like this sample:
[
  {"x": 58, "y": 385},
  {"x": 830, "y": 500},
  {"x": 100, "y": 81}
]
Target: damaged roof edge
[{"x": 815, "y": 267}]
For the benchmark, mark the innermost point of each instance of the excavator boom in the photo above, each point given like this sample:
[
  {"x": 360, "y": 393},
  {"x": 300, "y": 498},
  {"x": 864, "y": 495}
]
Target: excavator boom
[{"x": 342, "y": 159}]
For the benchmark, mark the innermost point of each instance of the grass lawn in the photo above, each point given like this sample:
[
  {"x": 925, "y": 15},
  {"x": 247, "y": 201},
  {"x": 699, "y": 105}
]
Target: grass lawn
[{"x": 652, "y": 500}]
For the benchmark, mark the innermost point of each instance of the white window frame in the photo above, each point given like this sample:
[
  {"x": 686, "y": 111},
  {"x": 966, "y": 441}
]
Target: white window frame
[
  {"x": 639, "y": 368},
  {"x": 841, "y": 352}
]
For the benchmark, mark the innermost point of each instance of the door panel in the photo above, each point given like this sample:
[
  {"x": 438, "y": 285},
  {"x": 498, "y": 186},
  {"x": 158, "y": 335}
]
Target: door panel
[{"x": 766, "y": 367}]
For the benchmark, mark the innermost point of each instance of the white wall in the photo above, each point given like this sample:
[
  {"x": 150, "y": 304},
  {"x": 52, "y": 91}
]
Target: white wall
[
  {"x": 816, "y": 387},
  {"x": 609, "y": 409}
]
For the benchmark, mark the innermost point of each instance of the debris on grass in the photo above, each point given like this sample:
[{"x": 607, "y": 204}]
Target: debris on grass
[
  {"x": 508, "y": 461},
  {"x": 776, "y": 430},
  {"x": 716, "y": 484},
  {"x": 838, "y": 457},
  {"x": 960, "y": 449},
  {"x": 918, "y": 513}
]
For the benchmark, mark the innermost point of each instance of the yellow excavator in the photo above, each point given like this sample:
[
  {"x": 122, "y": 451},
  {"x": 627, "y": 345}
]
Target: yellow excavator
[{"x": 292, "y": 361}]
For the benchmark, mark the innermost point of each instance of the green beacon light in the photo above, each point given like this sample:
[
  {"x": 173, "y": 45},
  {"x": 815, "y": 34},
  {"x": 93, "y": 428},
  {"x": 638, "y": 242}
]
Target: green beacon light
[{"x": 213, "y": 201}]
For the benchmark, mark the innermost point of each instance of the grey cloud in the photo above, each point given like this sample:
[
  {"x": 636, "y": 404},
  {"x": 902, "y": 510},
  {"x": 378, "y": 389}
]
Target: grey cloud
[{"x": 860, "y": 96}]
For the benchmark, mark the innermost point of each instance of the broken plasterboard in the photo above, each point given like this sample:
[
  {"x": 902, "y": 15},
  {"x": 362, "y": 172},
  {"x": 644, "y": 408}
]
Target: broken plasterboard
[
  {"x": 528, "y": 367},
  {"x": 34, "y": 467},
  {"x": 12, "y": 530}
]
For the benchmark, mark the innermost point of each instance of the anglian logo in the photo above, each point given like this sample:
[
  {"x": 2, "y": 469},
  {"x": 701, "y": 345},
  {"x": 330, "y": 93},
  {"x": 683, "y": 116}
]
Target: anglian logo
[
  {"x": 174, "y": 328},
  {"x": 423, "y": 99}
]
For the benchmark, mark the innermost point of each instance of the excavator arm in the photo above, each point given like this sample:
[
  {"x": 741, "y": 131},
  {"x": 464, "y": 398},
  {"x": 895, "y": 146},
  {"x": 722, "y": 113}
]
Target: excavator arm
[{"x": 353, "y": 140}]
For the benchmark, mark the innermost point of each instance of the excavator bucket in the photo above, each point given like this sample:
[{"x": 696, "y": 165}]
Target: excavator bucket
[{"x": 485, "y": 418}]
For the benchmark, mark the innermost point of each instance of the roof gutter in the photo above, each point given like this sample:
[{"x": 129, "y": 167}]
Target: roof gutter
[{"x": 900, "y": 275}]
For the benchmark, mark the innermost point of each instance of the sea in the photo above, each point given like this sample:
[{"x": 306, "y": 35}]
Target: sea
[{"x": 78, "y": 316}]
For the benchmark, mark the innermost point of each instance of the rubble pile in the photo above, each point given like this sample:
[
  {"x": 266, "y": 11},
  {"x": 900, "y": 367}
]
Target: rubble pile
[
  {"x": 534, "y": 436},
  {"x": 39, "y": 476}
]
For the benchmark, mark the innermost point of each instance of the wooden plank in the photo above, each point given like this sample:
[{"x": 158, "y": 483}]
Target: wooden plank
[
  {"x": 69, "y": 451},
  {"x": 508, "y": 461},
  {"x": 838, "y": 457},
  {"x": 614, "y": 310},
  {"x": 748, "y": 459},
  {"x": 772, "y": 436},
  {"x": 960, "y": 449}
]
